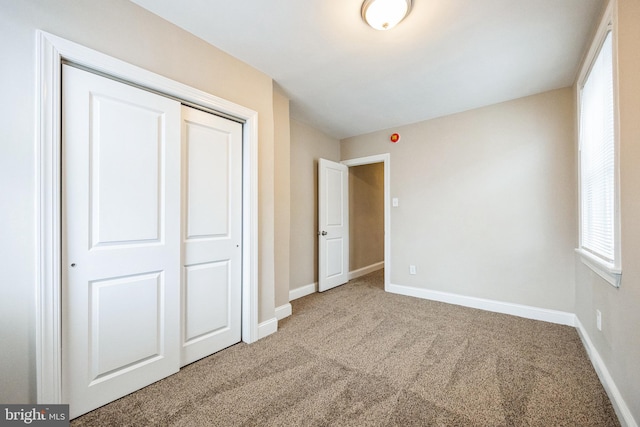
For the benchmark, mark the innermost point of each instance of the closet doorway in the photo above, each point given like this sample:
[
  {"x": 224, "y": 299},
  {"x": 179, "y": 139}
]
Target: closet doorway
[
  {"x": 151, "y": 245},
  {"x": 154, "y": 230}
]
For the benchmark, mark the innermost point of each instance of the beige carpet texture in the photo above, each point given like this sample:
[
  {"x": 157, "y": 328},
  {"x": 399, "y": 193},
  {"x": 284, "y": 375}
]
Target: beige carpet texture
[{"x": 357, "y": 356}]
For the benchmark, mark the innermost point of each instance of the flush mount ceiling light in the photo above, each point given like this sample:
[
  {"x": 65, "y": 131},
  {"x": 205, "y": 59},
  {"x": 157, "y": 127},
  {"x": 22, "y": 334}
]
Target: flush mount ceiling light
[{"x": 385, "y": 14}]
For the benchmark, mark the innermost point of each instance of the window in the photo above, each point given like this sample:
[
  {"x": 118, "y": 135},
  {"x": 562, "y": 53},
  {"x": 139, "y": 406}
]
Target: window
[{"x": 599, "y": 218}]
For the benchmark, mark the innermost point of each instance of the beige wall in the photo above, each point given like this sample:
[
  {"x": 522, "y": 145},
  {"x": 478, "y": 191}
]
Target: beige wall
[
  {"x": 619, "y": 341},
  {"x": 282, "y": 197},
  {"x": 307, "y": 146},
  {"x": 123, "y": 30},
  {"x": 366, "y": 215},
  {"x": 486, "y": 201}
]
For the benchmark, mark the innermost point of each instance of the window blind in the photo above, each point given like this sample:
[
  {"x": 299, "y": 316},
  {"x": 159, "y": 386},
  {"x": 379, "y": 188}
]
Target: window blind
[{"x": 597, "y": 157}]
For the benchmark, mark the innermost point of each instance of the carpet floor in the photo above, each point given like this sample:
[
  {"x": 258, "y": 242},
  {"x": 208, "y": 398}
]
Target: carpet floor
[{"x": 357, "y": 356}]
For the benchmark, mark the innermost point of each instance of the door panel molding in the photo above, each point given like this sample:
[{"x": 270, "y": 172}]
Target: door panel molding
[{"x": 52, "y": 52}]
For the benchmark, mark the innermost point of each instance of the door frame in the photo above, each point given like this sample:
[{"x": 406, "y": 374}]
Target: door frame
[
  {"x": 51, "y": 52},
  {"x": 386, "y": 160}
]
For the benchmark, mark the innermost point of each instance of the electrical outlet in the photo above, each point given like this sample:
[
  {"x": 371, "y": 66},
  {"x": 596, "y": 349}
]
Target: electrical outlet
[
  {"x": 599, "y": 320},
  {"x": 412, "y": 269}
]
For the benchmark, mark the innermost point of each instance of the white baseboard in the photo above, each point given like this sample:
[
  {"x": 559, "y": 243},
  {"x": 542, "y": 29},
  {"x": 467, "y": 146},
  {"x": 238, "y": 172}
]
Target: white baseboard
[
  {"x": 365, "y": 270},
  {"x": 283, "y": 311},
  {"x": 619, "y": 405},
  {"x": 528, "y": 312},
  {"x": 270, "y": 326},
  {"x": 303, "y": 291},
  {"x": 267, "y": 327}
]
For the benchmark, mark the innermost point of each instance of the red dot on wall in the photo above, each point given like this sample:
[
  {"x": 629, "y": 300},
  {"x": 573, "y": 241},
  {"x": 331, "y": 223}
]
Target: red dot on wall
[{"x": 395, "y": 138}]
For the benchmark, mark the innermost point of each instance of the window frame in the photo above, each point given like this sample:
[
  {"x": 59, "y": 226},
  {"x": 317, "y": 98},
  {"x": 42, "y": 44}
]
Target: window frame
[{"x": 611, "y": 271}]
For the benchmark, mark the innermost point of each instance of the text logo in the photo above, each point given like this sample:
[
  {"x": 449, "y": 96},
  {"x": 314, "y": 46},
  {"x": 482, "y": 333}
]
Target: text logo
[{"x": 36, "y": 415}]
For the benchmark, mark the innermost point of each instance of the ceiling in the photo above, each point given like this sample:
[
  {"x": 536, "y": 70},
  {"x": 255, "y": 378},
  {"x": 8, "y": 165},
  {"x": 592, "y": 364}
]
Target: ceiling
[{"x": 447, "y": 56}]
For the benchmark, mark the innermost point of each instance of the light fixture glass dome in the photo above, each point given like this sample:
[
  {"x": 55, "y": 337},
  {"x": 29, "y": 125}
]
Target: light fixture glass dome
[{"x": 385, "y": 14}]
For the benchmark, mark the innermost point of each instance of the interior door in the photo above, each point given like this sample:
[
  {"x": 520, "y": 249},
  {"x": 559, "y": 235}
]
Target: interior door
[
  {"x": 333, "y": 223},
  {"x": 212, "y": 233},
  {"x": 121, "y": 239}
]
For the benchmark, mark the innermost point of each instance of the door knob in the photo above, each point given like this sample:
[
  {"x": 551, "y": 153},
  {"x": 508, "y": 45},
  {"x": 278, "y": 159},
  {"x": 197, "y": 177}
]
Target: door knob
[{"x": 323, "y": 233}]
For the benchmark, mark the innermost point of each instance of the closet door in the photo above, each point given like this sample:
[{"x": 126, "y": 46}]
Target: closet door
[
  {"x": 212, "y": 233},
  {"x": 121, "y": 239}
]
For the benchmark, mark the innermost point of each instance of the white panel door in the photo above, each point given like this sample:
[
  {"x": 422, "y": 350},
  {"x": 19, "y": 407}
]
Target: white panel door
[
  {"x": 333, "y": 223},
  {"x": 212, "y": 233},
  {"x": 121, "y": 239}
]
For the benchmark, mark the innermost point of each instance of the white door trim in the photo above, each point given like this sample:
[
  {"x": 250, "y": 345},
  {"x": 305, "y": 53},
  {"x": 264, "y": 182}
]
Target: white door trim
[
  {"x": 386, "y": 159},
  {"x": 52, "y": 51}
]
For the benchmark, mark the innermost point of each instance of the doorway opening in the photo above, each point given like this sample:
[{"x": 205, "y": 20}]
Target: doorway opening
[
  {"x": 362, "y": 265},
  {"x": 366, "y": 219}
]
